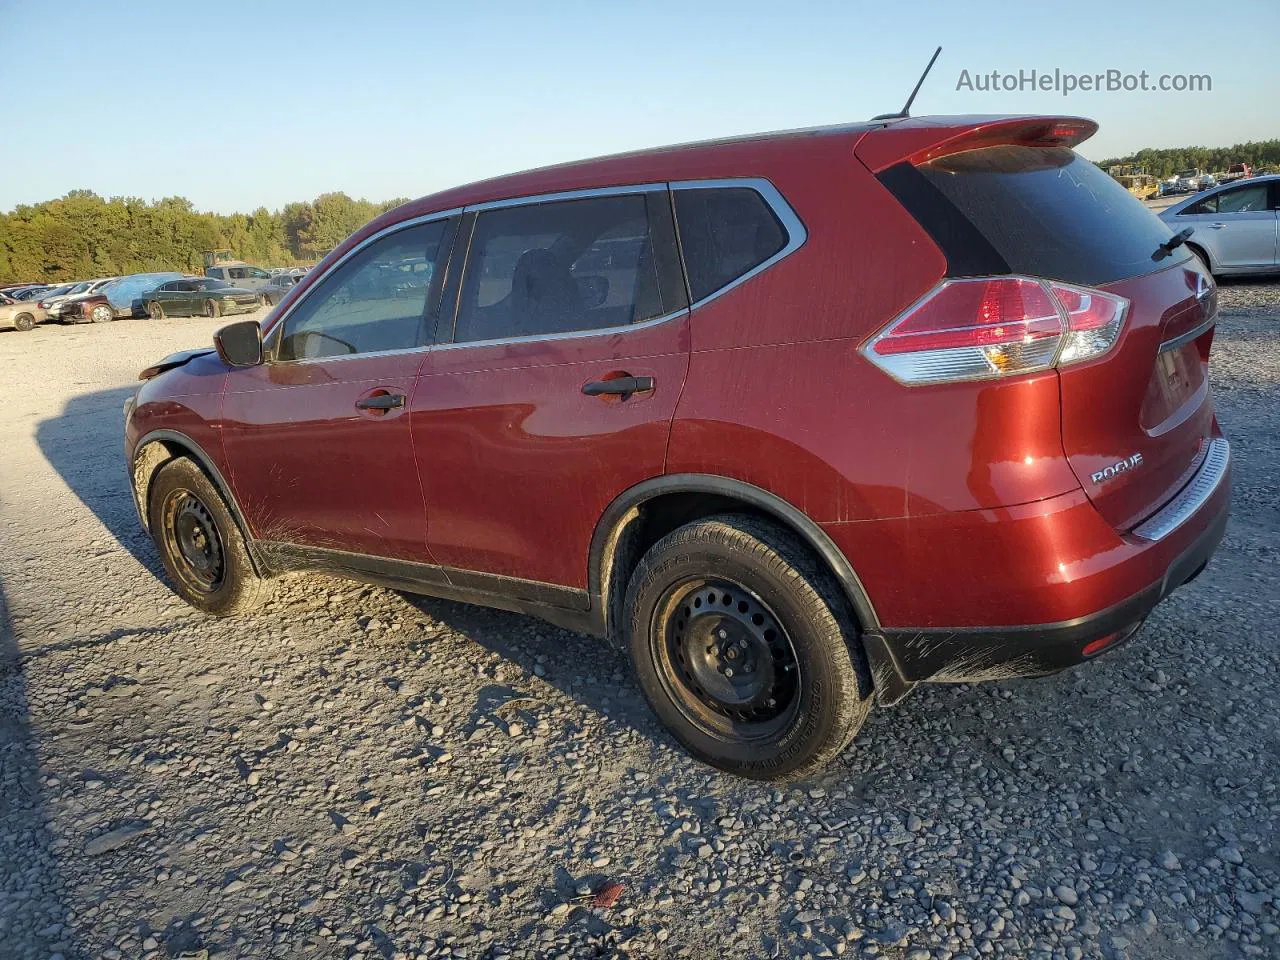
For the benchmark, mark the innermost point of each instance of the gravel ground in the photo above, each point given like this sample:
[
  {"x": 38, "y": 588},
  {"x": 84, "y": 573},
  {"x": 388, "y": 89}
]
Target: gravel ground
[{"x": 357, "y": 773}]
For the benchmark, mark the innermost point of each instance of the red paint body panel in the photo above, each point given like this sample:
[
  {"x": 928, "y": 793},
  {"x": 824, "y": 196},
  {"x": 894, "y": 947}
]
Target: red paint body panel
[
  {"x": 1136, "y": 399},
  {"x": 518, "y": 464},
  {"x": 1039, "y": 563},
  {"x": 186, "y": 400},
  {"x": 309, "y": 468}
]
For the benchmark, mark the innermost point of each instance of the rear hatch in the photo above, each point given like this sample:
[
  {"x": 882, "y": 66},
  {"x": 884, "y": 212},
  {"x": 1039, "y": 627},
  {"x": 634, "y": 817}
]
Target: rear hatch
[{"x": 1012, "y": 197}]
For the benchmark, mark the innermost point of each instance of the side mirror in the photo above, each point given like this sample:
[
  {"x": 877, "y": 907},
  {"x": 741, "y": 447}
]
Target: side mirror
[{"x": 240, "y": 344}]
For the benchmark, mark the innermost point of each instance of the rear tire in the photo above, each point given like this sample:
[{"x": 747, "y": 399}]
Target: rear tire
[
  {"x": 200, "y": 543},
  {"x": 155, "y": 311},
  {"x": 745, "y": 648},
  {"x": 24, "y": 322},
  {"x": 211, "y": 309}
]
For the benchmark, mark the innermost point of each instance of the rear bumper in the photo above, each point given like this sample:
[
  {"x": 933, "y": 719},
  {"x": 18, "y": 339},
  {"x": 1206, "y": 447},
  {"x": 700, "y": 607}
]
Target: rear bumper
[{"x": 1054, "y": 559}]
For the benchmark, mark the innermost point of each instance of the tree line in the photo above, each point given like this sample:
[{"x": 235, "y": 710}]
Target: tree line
[
  {"x": 83, "y": 235},
  {"x": 1164, "y": 163}
]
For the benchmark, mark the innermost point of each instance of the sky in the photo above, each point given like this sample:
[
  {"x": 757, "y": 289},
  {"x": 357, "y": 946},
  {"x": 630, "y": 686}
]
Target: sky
[{"x": 237, "y": 105}]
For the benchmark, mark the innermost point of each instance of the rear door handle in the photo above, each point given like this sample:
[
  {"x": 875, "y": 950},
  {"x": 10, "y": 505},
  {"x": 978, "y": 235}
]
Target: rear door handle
[
  {"x": 618, "y": 386},
  {"x": 1217, "y": 226},
  {"x": 382, "y": 401}
]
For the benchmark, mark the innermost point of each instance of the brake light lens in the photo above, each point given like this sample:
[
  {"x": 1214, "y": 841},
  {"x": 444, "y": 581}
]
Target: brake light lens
[{"x": 989, "y": 327}]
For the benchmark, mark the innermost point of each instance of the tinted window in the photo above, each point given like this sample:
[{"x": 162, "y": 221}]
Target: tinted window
[
  {"x": 1043, "y": 211},
  {"x": 559, "y": 267},
  {"x": 374, "y": 301},
  {"x": 168, "y": 287},
  {"x": 1243, "y": 199},
  {"x": 724, "y": 233},
  {"x": 237, "y": 273},
  {"x": 1207, "y": 205}
]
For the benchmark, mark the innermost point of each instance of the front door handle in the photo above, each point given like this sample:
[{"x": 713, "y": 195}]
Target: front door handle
[
  {"x": 1217, "y": 226},
  {"x": 618, "y": 386},
  {"x": 381, "y": 401}
]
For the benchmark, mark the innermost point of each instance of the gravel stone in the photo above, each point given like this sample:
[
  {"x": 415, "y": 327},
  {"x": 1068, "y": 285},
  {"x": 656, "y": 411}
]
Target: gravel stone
[{"x": 434, "y": 780}]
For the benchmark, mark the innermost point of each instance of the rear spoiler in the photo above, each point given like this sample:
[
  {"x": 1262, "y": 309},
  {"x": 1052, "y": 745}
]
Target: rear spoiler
[{"x": 918, "y": 141}]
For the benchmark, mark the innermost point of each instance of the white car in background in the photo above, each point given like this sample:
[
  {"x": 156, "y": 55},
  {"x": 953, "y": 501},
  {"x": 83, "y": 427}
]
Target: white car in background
[
  {"x": 55, "y": 304},
  {"x": 1236, "y": 226}
]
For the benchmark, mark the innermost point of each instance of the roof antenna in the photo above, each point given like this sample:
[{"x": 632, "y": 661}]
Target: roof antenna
[{"x": 906, "y": 108}]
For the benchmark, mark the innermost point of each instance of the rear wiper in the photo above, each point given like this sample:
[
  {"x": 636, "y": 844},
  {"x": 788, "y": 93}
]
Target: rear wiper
[{"x": 1177, "y": 240}]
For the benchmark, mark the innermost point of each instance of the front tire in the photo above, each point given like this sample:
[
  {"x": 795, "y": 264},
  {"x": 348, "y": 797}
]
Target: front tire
[
  {"x": 745, "y": 648},
  {"x": 101, "y": 313},
  {"x": 200, "y": 543},
  {"x": 211, "y": 309},
  {"x": 24, "y": 322}
]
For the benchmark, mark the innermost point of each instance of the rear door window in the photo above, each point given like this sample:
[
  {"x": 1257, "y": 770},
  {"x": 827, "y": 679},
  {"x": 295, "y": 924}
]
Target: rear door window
[
  {"x": 1040, "y": 211},
  {"x": 725, "y": 233},
  {"x": 562, "y": 267}
]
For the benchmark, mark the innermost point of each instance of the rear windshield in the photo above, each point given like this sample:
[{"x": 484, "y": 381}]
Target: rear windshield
[{"x": 1042, "y": 211}]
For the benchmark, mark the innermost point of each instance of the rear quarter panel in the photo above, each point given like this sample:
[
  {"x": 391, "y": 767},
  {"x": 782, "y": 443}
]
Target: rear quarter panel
[{"x": 778, "y": 396}]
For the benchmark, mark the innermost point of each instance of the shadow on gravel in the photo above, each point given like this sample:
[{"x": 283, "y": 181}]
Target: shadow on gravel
[
  {"x": 85, "y": 444},
  {"x": 583, "y": 668},
  {"x": 33, "y": 918}
]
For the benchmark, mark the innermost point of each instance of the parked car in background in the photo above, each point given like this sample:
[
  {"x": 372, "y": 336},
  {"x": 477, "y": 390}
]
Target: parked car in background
[
  {"x": 46, "y": 297},
  {"x": 786, "y": 489},
  {"x": 1237, "y": 171},
  {"x": 240, "y": 274},
  {"x": 1236, "y": 226},
  {"x": 1205, "y": 181},
  {"x": 126, "y": 293},
  {"x": 27, "y": 292},
  {"x": 20, "y": 314},
  {"x": 199, "y": 296},
  {"x": 86, "y": 288},
  {"x": 91, "y": 308},
  {"x": 280, "y": 284},
  {"x": 1188, "y": 181}
]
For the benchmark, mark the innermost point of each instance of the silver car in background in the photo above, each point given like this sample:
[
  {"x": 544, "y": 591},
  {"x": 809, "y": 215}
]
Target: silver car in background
[
  {"x": 1236, "y": 226},
  {"x": 55, "y": 304}
]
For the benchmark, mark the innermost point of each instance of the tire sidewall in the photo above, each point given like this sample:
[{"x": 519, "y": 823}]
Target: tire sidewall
[
  {"x": 24, "y": 322},
  {"x": 824, "y": 681},
  {"x": 239, "y": 578}
]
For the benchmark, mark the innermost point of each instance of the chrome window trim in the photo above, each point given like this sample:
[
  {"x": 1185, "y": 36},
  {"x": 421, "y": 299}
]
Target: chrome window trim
[
  {"x": 1190, "y": 335},
  {"x": 567, "y": 334},
  {"x": 1192, "y": 497},
  {"x": 584, "y": 194},
  {"x": 273, "y": 335},
  {"x": 790, "y": 220}
]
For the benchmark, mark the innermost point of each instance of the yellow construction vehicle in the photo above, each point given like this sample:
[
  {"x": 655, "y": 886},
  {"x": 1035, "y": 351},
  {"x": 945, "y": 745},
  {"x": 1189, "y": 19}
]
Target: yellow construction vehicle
[{"x": 1136, "y": 180}]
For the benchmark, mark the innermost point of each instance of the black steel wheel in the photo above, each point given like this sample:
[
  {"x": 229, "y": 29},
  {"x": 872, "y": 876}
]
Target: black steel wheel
[
  {"x": 192, "y": 538},
  {"x": 746, "y": 648},
  {"x": 200, "y": 542},
  {"x": 727, "y": 662}
]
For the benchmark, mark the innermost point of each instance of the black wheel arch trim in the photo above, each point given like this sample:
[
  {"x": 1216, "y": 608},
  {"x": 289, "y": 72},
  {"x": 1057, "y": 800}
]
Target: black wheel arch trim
[
  {"x": 609, "y": 538},
  {"x": 198, "y": 454}
]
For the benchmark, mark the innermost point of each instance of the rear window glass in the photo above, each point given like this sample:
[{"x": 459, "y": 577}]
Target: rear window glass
[
  {"x": 725, "y": 232},
  {"x": 1044, "y": 211}
]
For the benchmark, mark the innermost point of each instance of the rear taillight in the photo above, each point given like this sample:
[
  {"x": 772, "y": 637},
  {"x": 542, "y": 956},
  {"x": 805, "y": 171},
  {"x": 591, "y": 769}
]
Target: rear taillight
[{"x": 978, "y": 329}]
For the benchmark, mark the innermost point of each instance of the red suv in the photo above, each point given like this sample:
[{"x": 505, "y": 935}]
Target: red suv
[{"x": 800, "y": 419}]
